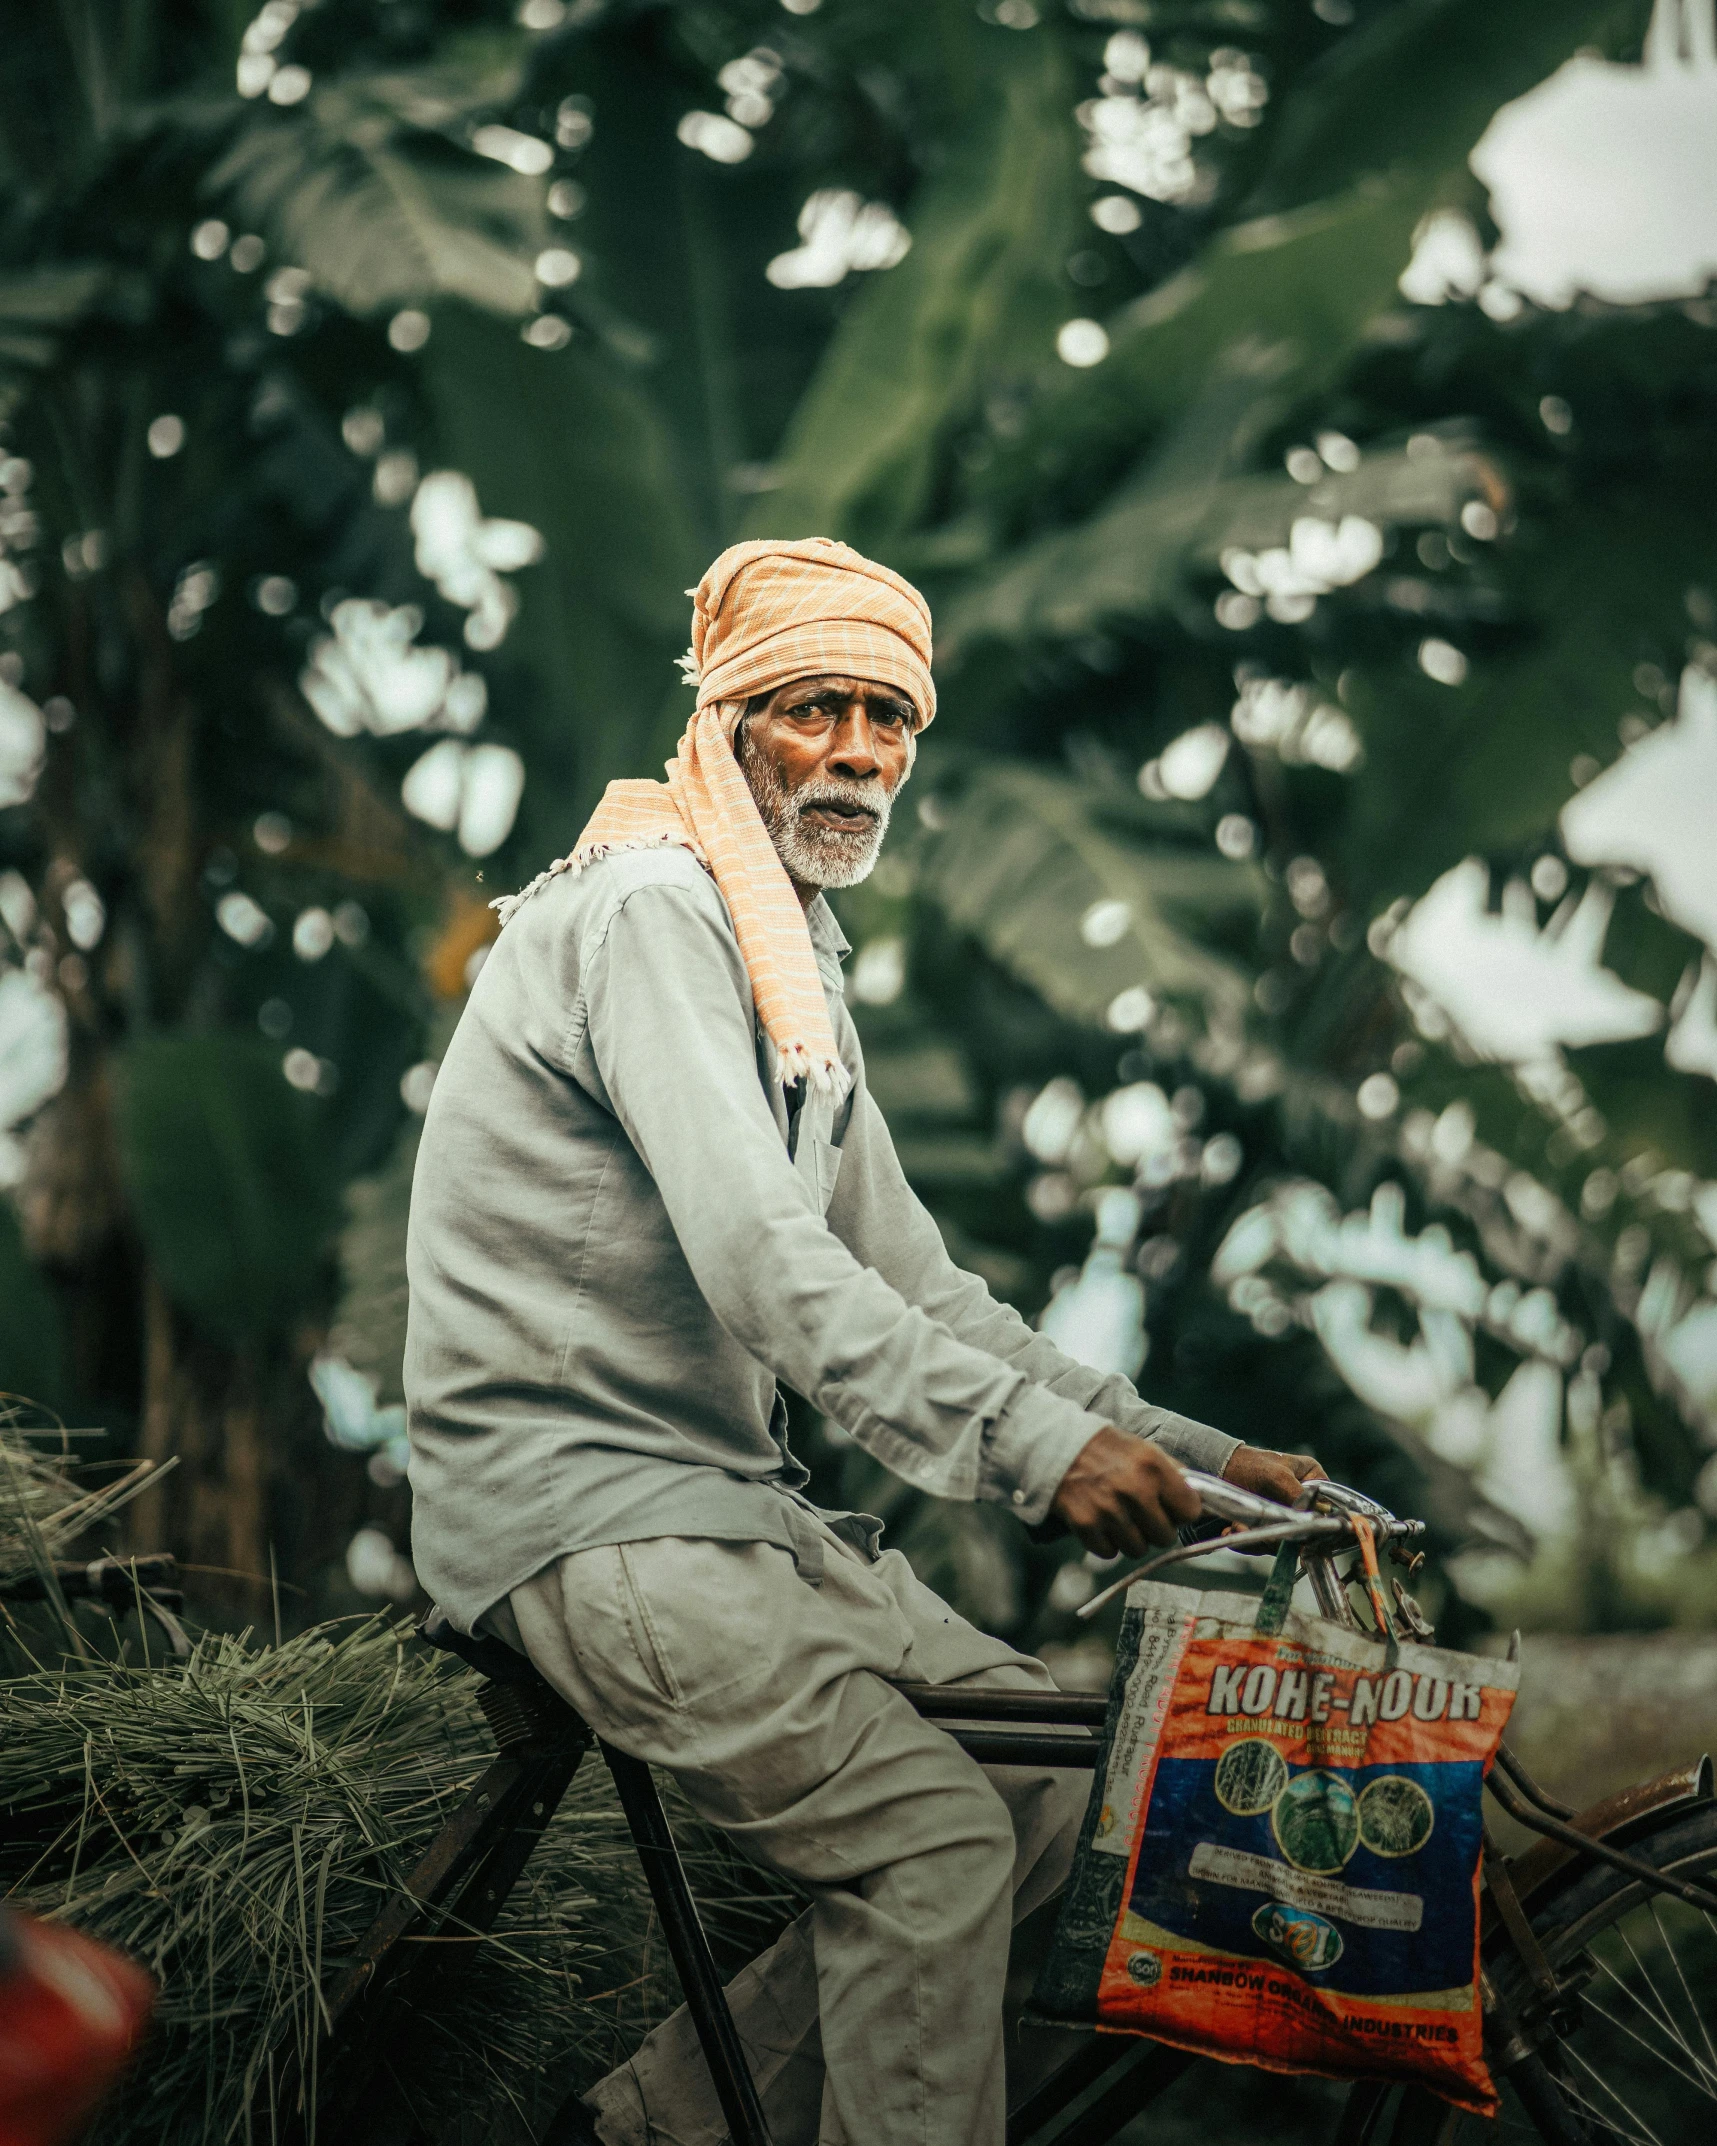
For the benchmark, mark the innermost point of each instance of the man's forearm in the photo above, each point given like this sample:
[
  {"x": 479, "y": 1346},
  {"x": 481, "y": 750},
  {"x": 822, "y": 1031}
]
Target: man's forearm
[
  {"x": 888, "y": 1227},
  {"x": 1183, "y": 1438}
]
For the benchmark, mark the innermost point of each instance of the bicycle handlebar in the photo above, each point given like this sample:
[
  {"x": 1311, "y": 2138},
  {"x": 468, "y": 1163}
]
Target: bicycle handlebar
[{"x": 1260, "y": 1523}]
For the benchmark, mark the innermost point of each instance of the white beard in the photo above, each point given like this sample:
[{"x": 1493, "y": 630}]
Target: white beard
[{"x": 815, "y": 856}]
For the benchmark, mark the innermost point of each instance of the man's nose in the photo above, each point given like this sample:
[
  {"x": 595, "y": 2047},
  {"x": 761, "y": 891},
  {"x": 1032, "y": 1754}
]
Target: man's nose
[{"x": 852, "y": 750}]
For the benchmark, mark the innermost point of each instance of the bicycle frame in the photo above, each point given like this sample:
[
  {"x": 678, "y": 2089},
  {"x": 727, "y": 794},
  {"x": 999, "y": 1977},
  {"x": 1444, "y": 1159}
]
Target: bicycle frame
[{"x": 466, "y": 1873}]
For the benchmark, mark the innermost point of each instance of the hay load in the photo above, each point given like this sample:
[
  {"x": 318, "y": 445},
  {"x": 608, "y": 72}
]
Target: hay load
[{"x": 234, "y": 1821}]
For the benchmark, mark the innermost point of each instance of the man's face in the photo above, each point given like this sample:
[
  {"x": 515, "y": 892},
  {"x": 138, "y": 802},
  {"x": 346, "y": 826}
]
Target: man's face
[{"x": 824, "y": 757}]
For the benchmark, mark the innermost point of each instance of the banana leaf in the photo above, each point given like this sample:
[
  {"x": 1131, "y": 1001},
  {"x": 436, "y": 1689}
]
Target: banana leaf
[
  {"x": 367, "y": 188},
  {"x": 975, "y": 302},
  {"x": 231, "y": 1184},
  {"x": 575, "y": 444},
  {"x": 1021, "y": 861}
]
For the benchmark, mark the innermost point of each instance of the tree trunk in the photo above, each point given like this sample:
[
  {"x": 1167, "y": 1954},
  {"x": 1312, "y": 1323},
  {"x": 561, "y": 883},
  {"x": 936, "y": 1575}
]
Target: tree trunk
[
  {"x": 249, "y": 1486},
  {"x": 202, "y": 1428}
]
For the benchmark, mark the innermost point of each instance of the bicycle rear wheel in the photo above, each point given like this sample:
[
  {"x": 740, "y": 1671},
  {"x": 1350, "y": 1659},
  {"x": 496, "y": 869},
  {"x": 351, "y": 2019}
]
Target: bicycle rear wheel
[{"x": 1637, "y": 2062}]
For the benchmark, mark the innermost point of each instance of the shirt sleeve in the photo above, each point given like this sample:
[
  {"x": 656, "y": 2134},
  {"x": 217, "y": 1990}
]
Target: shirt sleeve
[
  {"x": 662, "y": 1033},
  {"x": 879, "y": 1216}
]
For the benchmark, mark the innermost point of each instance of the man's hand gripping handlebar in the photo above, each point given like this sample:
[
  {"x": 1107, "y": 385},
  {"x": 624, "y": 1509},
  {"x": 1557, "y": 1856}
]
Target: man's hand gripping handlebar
[{"x": 1122, "y": 1495}]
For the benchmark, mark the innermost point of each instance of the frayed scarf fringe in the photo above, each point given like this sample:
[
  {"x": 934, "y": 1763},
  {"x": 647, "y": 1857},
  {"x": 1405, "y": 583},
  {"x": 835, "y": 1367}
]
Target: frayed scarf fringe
[
  {"x": 827, "y": 1076},
  {"x": 507, "y": 906}
]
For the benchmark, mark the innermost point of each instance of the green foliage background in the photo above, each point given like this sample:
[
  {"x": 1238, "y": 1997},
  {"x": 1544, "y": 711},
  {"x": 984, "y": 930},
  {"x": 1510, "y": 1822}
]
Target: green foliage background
[{"x": 177, "y": 1253}]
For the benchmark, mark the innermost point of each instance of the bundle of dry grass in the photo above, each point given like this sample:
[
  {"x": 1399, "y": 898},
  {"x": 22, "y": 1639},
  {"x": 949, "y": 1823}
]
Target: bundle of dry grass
[
  {"x": 44, "y": 1508},
  {"x": 48, "y": 1506},
  {"x": 235, "y": 1821}
]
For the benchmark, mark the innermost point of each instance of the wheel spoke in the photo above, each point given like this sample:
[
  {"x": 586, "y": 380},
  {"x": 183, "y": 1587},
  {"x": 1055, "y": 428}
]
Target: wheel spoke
[
  {"x": 1654, "y": 2042},
  {"x": 1669, "y": 2022},
  {"x": 1686, "y": 1988},
  {"x": 1662, "y": 2018},
  {"x": 1643, "y": 2136},
  {"x": 1657, "y": 2056}
]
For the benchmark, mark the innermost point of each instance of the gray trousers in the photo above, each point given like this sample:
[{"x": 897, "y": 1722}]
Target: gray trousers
[{"x": 877, "y": 2018}]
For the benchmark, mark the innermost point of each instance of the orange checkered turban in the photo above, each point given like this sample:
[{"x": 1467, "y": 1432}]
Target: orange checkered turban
[{"x": 765, "y": 614}]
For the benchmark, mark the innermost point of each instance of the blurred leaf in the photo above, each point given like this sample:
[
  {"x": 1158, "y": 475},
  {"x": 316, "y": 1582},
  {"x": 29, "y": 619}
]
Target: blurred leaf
[
  {"x": 359, "y": 188},
  {"x": 368, "y": 1328},
  {"x": 975, "y": 300},
  {"x": 1134, "y": 556},
  {"x": 940, "y": 1162},
  {"x": 230, "y": 1182},
  {"x": 1652, "y": 1111},
  {"x": 472, "y": 72},
  {"x": 570, "y": 442},
  {"x": 920, "y": 1080},
  {"x": 1023, "y": 857},
  {"x": 1420, "y": 80},
  {"x": 37, "y": 306},
  {"x": 31, "y": 1343},
  {"x": 675, "y": 287},
  {"x": 1484, "y": 766},
  {"x": 966, "y": 1553},
  {"x": 1277, "y": 307},
  {"x": 1309, "y": 277}
]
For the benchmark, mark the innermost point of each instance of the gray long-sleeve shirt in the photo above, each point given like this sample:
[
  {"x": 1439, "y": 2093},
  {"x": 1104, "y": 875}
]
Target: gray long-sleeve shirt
[{"x": 621, "y": 1239}]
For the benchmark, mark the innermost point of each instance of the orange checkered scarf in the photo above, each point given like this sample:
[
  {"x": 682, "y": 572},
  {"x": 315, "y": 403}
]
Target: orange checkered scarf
[{"x": 764, "y": 614}]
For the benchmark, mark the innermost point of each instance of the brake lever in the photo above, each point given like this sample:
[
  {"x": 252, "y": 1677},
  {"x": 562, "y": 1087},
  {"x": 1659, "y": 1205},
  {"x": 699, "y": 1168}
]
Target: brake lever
[{"x": 1285, "y": 1526}]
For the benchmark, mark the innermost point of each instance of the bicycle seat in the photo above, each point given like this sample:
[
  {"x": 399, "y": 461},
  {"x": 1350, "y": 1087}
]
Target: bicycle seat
[{"x": 491, "y": 1658}]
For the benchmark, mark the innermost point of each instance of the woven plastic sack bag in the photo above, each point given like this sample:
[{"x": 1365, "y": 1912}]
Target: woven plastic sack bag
[{"x": 1279, "y": 1865}]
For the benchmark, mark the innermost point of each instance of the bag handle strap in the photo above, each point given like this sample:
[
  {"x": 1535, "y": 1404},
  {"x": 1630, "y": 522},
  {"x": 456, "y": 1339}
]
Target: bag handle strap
[
  {"x": 1273, "y": 1605},
  {"x": 1273, "y": 1608},
  {"x": 1374, "y": 1584}
]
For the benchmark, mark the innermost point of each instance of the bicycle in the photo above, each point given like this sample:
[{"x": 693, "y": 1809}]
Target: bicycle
[{"x": 1594, "y": 2020}]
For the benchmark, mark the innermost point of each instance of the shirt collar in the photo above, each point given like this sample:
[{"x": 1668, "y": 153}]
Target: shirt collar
[{"x": 827, "y": 936}]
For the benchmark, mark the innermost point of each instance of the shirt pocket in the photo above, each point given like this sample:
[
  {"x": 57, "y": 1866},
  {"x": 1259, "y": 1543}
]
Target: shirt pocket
[{"x": 825, "y": 1166}]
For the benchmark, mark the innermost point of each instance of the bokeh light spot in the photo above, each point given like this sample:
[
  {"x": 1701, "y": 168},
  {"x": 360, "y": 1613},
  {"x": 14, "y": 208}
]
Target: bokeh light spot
[
  {"x": 1117, "y": 214},
  {"x": 1082, "y": 343},
  {"x": 1443, "y": 661}
]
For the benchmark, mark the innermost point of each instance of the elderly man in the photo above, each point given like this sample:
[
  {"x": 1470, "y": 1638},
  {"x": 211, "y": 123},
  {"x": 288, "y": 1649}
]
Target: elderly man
[{"x": 652, "y": 1190}]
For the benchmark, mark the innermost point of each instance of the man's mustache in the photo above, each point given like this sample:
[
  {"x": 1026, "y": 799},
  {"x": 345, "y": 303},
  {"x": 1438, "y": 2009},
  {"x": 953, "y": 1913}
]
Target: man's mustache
[{"x": 848, "y": 796}]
